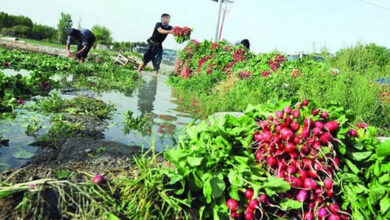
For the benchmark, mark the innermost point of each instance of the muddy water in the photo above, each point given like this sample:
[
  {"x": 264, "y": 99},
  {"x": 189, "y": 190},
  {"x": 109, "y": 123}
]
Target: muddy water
[{"x": 153, "y": 97}]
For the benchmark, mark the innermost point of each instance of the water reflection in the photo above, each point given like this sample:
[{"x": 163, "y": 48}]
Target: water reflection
[{"x": 147, "y": 95}]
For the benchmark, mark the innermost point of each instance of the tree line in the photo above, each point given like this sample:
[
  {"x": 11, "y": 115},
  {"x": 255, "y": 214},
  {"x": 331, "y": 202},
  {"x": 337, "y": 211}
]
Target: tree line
[{"x": 22, "y": 26}]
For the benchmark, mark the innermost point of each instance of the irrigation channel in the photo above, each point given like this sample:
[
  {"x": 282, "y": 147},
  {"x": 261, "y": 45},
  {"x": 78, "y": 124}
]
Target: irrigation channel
[{"x": 154, "y": 98}]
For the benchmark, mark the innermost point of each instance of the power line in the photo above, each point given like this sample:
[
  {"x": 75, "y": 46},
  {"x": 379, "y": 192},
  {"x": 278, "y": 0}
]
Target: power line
[{"x": 374, "y": 5}]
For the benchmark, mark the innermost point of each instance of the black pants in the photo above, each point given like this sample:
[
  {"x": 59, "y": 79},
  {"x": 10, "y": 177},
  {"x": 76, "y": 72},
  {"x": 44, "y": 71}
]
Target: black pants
[{"x": 153, "y": 53}]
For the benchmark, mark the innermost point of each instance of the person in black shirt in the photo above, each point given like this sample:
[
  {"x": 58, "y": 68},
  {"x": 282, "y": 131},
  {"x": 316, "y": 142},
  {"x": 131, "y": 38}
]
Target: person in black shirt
[
  {"x": 84, "y": 39},
  {"x": 154, "y": 50}
]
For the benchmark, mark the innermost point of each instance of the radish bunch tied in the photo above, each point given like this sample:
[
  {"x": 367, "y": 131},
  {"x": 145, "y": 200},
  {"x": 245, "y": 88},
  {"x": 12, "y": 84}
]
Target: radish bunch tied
[
  {"x": 298, "y": 145},
  {"x": 182, "y": 34}
]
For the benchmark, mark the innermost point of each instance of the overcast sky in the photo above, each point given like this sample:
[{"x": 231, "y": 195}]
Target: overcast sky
[{"x": 286, "y": 25}]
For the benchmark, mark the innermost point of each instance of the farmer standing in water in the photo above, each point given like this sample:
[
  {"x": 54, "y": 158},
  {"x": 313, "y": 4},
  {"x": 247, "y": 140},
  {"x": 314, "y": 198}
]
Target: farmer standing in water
[
  {"x": 154, "y": 50},
  {"x": 84, "y": 39}
]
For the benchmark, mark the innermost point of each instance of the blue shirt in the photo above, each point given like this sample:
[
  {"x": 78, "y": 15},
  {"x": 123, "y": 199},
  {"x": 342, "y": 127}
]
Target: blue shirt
[{"x": 85, "y": 38}]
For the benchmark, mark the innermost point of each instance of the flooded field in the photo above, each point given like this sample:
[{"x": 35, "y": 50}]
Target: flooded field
[{"x": 153, "y": 98}]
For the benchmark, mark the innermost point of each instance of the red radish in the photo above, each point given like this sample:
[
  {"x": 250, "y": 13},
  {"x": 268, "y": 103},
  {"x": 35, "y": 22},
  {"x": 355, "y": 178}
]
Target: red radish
[
  {"x": 263, "y": 199},
  {"x": 288, "y": 120},
  {"x": 267, "y": 135},
  {"x": 324, "y": 115},
  {"x": 311, "y": 205},
  {"x": 259, "y": 155},
  {"x": 328, "y": 183},
  {"x": 299, "y": 106},
  {"x": 293, "y": 155},
  {"x": 333, "y": 217},
  {"x": 287, "y": 110},
  {"x": 279, "y": 152},
  {"x": 316, "y": 145},
  {"x": 326, "y": 138},
  {"x": 278, "y": 128},
  {"x": 315, "y": 112},
  {"x": 276, "y": 139},
  {"x": 291, "y": 169},
  {"x": 287, "y": 134},
  {"x": 279, "y": 114},
  {"x": 253, "y": 204},
  {"x": 290, "y": 147},
  {"x": 305, "y": 133},
  {"x": 281, "y": 164},
  {"x": 270, "y": 118},
  {"x": 322, "y": 213},
  {"x": 258, "y": 137},
  {"x": 281, "y": 174},
  {"x": 313, "y": 173},
  {"x": 296, "y": 182},
  {"x": 334, "y": 208},
  {"x": 319, "y": 124},
  {"x": 271, "y": 161},
  {"x": 362, "y": 125},
  {"x": 305, "y": 149},
  {"x": 232, "y": 204},
  {"x": 329, "y": 193},
  {"x": 234, "y": 215},
  {"x": 302, "y": 195},
  {"x": 319, "y": 200},
  {"x": 98, "y": 179},
  {"x": 308, "y": 122},
  {"x": 308, "y": 216},
  {"x": 336, "y": 160},
  {"x": 316, "y": 131},
  {"x": 249, "y": 193},
  {"x": 297, "y": 140},
  {"x": 310, "y": 183},
  {"x": 249, "y": 216},
  {"x": 296, "y": 113},
  {"x": 305, "y": 102},
  {"x": 353, "y": 133},
  {"x": 318, "y": 166},
  {"x": 331, "y": 126},
  {"x": 295, "y": 126},
  {"x": 249, "y": 210},
  {"x": 302, "y": 174},
  {"x": 307, "y": 163},
  {"x": 266, "y": 125},
  {"x": 319, "y": 191}
]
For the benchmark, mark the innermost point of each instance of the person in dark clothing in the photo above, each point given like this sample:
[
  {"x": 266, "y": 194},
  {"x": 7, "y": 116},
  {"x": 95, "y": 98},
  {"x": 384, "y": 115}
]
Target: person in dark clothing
[
  {"x": 84, "y": 39},
  {"x": 154, "y": 50},
  {"x": 246, "y": 43}
]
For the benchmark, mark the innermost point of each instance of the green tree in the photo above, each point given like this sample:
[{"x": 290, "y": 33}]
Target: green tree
[
  {"x": 43, "y": 32},
  {"x": 102, "y": 34},
  {"x": 17, "y": 31},
  {"x": 64, "y": 25}
]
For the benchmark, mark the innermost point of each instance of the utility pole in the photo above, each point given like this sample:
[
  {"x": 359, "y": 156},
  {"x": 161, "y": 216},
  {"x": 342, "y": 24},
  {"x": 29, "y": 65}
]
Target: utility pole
[
  {"x": 223, "y": 21},
  {"x": 218, "y": 30},
  {"x": 218, "y": 20}
]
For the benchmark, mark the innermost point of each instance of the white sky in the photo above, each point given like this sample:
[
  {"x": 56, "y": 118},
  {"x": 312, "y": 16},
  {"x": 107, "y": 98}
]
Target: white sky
[{"x": 287, "y": 25}]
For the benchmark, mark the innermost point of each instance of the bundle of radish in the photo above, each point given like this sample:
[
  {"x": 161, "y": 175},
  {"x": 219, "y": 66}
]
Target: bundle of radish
[
  {"x": 182, "y": 34},
  {"x": 298, "y": 146}
]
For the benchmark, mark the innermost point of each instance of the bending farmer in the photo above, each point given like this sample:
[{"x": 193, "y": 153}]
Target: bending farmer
[
  {"x": 154, "y": 51},
  {"x": 84, "y": 39}
]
